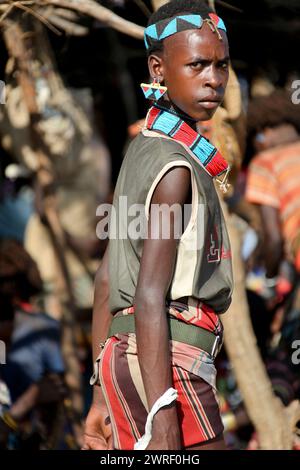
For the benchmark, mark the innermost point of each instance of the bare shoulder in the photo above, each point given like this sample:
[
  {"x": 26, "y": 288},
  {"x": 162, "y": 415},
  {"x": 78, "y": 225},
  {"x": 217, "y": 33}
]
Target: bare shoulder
[{"x": 173, "y": 187}]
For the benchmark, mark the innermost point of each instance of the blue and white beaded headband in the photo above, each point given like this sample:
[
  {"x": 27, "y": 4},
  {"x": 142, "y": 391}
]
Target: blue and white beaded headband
[{"x": 159, "y": 31}]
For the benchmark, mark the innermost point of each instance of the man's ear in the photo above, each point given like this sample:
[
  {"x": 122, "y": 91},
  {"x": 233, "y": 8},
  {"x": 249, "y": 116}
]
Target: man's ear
[{"x": 155, "y": 65}]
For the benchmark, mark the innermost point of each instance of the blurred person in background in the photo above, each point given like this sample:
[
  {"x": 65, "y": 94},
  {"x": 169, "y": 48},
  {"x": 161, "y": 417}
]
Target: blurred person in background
[
  {"x": 34, "y": 369},
  {"x": 273, "y": 185},
  {"x": 273, "y": 181}
]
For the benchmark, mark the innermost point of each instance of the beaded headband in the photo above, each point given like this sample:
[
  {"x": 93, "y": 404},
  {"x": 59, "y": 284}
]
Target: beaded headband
[{"x": 159, "y": 31}]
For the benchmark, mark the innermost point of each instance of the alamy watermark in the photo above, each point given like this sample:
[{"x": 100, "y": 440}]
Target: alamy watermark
[
  {"x": 2, "y": 92},
  {"x": 296, "y": 354},
  {"x": 2, "y": 352},
  {"x": 186, "y": 223},
  {"x": 296, "y": 94},
  {"x": 167, "y": 221}
]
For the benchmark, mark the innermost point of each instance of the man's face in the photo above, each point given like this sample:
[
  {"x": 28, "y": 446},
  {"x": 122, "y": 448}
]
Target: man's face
[{"x": 194, "y": 66}]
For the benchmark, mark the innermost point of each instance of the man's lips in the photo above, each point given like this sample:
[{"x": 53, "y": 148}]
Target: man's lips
[
  {"x": 209, "y": 103},
  {"x": 213, "y": 97}
]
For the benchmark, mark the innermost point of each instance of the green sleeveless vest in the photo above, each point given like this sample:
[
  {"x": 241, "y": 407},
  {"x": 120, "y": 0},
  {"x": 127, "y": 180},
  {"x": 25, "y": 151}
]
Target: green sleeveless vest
[{"x": 203, "y": 261}]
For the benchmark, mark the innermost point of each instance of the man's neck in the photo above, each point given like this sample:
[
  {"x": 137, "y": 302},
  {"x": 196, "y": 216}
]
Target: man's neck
[{"x": 172, "y": 107}]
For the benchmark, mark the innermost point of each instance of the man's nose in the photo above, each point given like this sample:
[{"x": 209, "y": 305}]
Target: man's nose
[{"x": 214, "y": 78}]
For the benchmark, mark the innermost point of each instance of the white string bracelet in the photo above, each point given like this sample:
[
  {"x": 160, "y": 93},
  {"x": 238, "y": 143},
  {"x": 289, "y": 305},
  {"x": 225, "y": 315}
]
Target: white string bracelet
[{"x": 166, "y": 399}]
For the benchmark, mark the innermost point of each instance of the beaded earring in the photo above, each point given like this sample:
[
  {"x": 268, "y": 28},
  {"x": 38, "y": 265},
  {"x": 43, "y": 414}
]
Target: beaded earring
[{"x": 153, "y": 91}]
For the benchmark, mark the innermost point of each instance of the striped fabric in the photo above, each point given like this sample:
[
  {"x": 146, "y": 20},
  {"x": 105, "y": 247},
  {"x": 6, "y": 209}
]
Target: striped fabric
[
  {"x": 192, "y": 310},
  {"x": 274, "y": 180},
  {"x": 193, "y": 377},
  {"x": 122, "y": 386}
]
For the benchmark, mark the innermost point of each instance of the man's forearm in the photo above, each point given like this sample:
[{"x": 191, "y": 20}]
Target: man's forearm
[
  {"x": 101, "y": 318},
  {"x": 273, "y": 256},
  {"x": 101, "y": 313},
  {"x": 152, "y": 336},
  {"x": 273, "y": 242}
]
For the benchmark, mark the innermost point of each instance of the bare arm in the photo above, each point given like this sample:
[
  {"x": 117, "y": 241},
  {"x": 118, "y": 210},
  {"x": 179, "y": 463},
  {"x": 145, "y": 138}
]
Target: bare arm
[
  {"x": 273, "y": 244},
  {"x": 101, "y": 315},
  {"x": 97, "y": 434},
  {"x": 156, "y": 271}
]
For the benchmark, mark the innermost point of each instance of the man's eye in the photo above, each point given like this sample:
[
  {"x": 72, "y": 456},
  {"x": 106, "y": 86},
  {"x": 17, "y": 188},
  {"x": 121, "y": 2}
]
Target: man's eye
[
  {"x": 195, "y": 65},
  {"x": 224, "y": 65}
]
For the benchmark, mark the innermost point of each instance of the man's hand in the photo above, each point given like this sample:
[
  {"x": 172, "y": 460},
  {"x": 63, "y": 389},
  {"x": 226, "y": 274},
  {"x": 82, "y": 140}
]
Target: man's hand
[
  {"x": 97, "y": 430},
  {"x": 165, "y": 444},
  {"x": 165, "y": 436}
]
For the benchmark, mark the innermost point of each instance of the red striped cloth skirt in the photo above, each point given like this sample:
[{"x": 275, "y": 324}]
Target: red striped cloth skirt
[{"x": 122, "y": 386}]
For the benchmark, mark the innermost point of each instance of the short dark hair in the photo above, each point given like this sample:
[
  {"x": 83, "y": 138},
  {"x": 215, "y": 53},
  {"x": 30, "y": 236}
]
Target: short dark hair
[
  {"x": 272, "y": 111},
  {"x": 176, "y": 7},
  {"x": 269, "y": 111}
]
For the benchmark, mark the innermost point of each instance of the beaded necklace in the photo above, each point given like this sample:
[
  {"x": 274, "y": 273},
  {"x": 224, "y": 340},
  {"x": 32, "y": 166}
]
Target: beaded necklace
[{"x": 173, "y": 125}]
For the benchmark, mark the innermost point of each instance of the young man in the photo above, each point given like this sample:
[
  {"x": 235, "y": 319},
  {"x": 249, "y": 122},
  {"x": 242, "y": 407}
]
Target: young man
[{"x": 165, "y": 293}]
